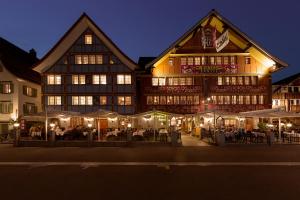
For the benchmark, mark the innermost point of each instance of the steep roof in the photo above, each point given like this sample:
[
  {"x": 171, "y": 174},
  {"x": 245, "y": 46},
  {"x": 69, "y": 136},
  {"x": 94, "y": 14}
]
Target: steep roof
[
  {"x": 72, "y": 35},
  {"x": 287, "y": 80},
  {"x": 18, "y": 61},
  {"x": 249, "y": 46}
]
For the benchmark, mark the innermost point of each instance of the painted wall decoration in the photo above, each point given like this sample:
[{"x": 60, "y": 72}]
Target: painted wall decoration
[{"x": 220, "y": 69}]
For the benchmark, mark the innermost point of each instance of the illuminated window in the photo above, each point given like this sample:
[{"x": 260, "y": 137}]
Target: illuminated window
[
  {"x": 99, "y": 59},
  {"x": 212, "y": 60},
  {"x": 170, "y": 100},
  {"x": 181, "y": 81},
  {"x": 78, "y": 79},
  {"x": 99, "y": 79},
  {"x": 123, "y": 79},
  {"x": 162, "y": 81},
  {"x": 54, "y": 100},
  {"x": 247, "y": 80},
  {"x": 204, "y": 60},
  {"x": 156, "y": 100},
  {"x": 162, "y": 100},
  {"x": 175, "y": 81},
  {"x": 92, "y": 59},
  {"x": 261, "y": 99},
  {"x": 254, "y": 99},
  {"x": 196, "y": 100},
  {"x": 54, "y": 79},
  {"x": 149, "y": 100},
  {"x": 154, "y": 81},
  {"x": 189, "y": 100},
  {"x": 88, "y": 59},
  {"x": 247, "y": 99},
  {"x": 240, "y": 80},
  {"x": 88, "y": 39},
  {"x": 190, "y": 61},
  {"x": 219, "y": 60},
  {"x": 78, "y": 59},
  {"x": 254, "y": 80},
  {"x": 176, "y": 100},
  {"x": 233, "y": 99},
  {"x": 182, "y": 61},
  {"x": 124, "y": 100},
  {"x": 227, "y": 80},
  {"x": 197, "y": 60},
  {"x": 226, "y": 99},
  {"x": 189, "y": 81},
  {"x": 6, "y": 87},
  {"x": 103, "y": 100},
  {"x": 85, "y": 59},
  {"x": 171, "y": 61},
  {"x": 220, "y": 80},
  {"x": 241, "y": 99},
  {"x": 89, "y": 100},
  {"x": 225, "y": 60},
  {"x": 233, "y": 80},
  {"x": 75, "y": 100},
  {"x": 182, "y": 100},
  {"x": 232, "y": 60},
  {"x": 220, "y": 100},
  {"x": 82, "y": 100}
]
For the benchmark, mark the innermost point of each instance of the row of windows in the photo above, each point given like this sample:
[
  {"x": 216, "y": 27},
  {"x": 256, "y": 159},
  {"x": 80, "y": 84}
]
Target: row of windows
[
  {"x": 88, "y": 59},
  {"x": 6, "y": 87},
  {"x": 162, "y": 81},
  {"x": 294, "y": 101},
  {"x": 88, "y": 100},
  {"x": 206, "y": 60},
  {"x": 173, "y": 100},
  {"x": 237, "y": 80},
  {"x": 122, "y": 79},
  {"x": 240, "y": 99},
  {"x": 291, "y": 89}
]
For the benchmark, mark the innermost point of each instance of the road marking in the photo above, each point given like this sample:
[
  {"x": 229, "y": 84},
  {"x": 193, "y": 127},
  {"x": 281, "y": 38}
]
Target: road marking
[{"x": 86, "y": 165}]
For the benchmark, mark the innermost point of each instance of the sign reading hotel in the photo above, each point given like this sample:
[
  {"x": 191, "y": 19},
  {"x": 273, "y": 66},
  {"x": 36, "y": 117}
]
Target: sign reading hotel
[{"x": 220, "y": 69}]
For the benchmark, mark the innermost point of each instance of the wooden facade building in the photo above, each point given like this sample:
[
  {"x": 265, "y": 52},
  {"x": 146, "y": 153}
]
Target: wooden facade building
[
  {"x": 192, "y": 76},
  {"x": 85, "y": 71}
]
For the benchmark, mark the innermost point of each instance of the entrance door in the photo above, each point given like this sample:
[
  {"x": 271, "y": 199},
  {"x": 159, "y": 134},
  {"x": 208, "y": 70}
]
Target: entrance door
[{"x": 102, "y": 125}]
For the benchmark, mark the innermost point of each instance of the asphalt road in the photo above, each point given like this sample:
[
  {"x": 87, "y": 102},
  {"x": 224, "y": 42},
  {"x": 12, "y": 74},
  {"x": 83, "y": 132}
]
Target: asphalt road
[{"x": 246, "y": 172}]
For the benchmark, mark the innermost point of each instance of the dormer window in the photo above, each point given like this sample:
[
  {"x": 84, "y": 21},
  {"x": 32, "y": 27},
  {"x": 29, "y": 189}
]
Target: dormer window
[{"x": 88, "y": 39}]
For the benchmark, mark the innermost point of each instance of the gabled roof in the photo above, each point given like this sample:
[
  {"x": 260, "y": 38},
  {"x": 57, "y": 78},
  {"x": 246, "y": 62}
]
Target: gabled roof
[
  {"x": 18, "y": 61},
  {"x": 287, "y": 80},
  {"x": 72, "y": 35},
  {"x": 251, "y": 45}
]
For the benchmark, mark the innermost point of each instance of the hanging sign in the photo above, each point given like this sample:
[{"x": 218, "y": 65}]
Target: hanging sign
[{"x": 222, "y": 41}]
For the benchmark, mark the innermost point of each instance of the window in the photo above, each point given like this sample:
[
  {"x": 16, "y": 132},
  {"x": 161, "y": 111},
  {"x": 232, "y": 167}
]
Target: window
[
  {"x": 181, "y": 81},
  {"x": 82, "y": 100},
  {"x": 189, "y": 100},
  {"x": 154, "y": 81},
  {"x": 233, "y": 99},
  {"x": 227, "y": 100},
  {"x": 220, "y": 80},
  {"x": 176, "y": 100},
  {"x": 99, "y": 79},
  {"x": 196, "y": 100},
  {"x": 240, "y": 80},
  {"x": 162, "y": 81},
  {"x": 254, "y": 99},
  {"x": 88, "y": 39},
  {"x": 247, "y": 80},
  {"x": 182, "y": 100},
  {"x": 162, "y": 100},
  {"x": 103, "y": 100},
  {"x": 29, "y": 108},
  {"x": 124, "y": 100},
  {"x": 170, "y": 100},
  {"x": 28, "y": 91},
  {"x": 182, "y": 61},
  {"x": 123, "y": 79},
  {"x": 88, "y": 59},
  {"x": 233, "y": 80},
  {"x": 241, "y": 99},
  {"x": 232, "y": 60},
  {"x": 189, "y": 81},
  {"x": 212, "y": 60},
  {"x": 296, "y": 89},
  {"x": 156, "y": 100},
  {"x": 149, "y": 100},
  {"x": 254, "y": 80},
  {"x": 54, "y": 79},
  {"x": 227, "y": 80},
  {"x": 6, "y": 107},
  {"x": 219, "y": 60},
  {"x": 220, "y": 100},
  {"x": 190, "y": 61},
  {"x": 197, "y": 61},
  {"x": 204, "y": 60},
  {"x": 247, "y": 60},
  {"x": 78, "y": 79},
  {"x": 247, "y": 99},
  {"x": 6, "y": 87},
  {"x": 171, "y": 61},
  {"x": 225, "y": 60},
  {"x": 261, "y": 99},
  {"x": 54, "y": 100}
]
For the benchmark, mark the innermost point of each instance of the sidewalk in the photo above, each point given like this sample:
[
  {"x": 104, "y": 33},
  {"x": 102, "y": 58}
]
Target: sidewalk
[{"x": 190, "y": 141}]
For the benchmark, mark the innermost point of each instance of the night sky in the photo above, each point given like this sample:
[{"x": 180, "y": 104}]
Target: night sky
[{"x": 146, "y": 28}]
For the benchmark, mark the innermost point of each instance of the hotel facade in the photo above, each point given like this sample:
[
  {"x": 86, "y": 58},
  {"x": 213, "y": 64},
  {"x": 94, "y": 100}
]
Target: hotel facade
[{"x": 213, "y": 66}]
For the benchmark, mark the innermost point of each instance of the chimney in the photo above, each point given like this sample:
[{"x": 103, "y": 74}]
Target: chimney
[{"x": 32, "y": 53}]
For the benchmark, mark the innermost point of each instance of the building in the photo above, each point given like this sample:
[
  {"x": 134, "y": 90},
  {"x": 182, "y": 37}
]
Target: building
[
  {"x": 286, "y": 93},
  {"x": 212, "y": 66},
  {"x": 85, "y": 71},
  {"x": 19, "y": 85}
]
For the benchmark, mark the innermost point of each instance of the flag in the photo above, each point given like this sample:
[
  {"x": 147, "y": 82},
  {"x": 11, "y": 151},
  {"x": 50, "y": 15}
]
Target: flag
[{"x": 222, "y": 41}]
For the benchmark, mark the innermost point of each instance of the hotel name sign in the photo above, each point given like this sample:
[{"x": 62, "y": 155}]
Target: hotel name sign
[
  {"x": 174, "y": 89},
  {"x": 239, "y": 89},
  {"x": 209, "y": 69}
]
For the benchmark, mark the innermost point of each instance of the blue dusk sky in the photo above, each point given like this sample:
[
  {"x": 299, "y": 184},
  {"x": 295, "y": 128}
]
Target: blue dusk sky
[{"x": 146, "y": 28}]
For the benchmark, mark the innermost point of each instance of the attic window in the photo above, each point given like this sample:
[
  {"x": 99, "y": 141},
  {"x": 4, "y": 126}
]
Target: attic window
[
  {"x": 171, "y": 61},
  {"x": 247, "y": 60},
  {"x": 88, "y": 39}
]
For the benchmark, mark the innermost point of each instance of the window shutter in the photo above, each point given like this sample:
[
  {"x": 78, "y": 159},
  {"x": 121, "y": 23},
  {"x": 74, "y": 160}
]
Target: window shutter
[
  {"x": 12, "y": 87},
  {"x": 10, "y": 108},
  {"x": 34, "y": 92},
  {"x": 24, "y": 90},
  {"x": 1, "y": 107},
  {"x": 1, "y": 88},
  {"x": 25, "y": 111}
]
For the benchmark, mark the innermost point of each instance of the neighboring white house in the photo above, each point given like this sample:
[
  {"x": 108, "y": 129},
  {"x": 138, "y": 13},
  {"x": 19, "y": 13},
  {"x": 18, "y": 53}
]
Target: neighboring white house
[{"x": 20, "y": 89}]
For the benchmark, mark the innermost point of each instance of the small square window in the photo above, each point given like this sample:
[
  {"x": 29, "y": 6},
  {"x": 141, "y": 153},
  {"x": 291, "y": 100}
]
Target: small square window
[
  {"x": 88, "y": 39},
  {"x": 247, "y": 60}
]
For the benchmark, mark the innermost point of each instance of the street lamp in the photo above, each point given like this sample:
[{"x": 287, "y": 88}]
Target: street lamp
[{"x": 16, "y": 125}]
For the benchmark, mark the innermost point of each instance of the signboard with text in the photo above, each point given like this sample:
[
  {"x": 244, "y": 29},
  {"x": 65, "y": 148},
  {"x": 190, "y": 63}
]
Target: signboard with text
[{"x": 226, "y": 69}]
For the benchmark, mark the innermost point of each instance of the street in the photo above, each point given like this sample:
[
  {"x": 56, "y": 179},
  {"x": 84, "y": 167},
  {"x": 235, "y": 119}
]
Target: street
[{"x": 232, "y": 172}]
